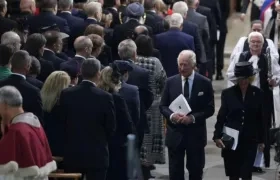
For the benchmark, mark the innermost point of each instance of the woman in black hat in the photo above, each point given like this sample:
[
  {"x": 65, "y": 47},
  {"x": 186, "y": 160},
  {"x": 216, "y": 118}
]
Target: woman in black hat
[{"x": 242, "y": 110}]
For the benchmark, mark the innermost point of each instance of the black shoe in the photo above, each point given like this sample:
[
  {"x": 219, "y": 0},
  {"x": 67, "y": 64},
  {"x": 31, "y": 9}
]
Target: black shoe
[
  {"x": 219, "y": 77},
  {"x": 258, "y": 170}
]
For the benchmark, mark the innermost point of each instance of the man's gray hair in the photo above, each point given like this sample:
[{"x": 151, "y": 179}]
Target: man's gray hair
[
  {"x": 180, "y": 7},
  {"x": 20, "y": 60},
  {"x": 255, "y": 34},
  {"x": 190, "y": 2},
  {"x": 64, "y": 4},
  {"x": 188, "y": 54},
  {"x": 92, "y": 8},
  {"x": 90, "y": 68},
  {"x": 11, "y": 96},
  {"x": 127, "y": 49},
  {"x": 81, "y": 43},
  {"x": 11, "y": 38},
  {"x": 176, "y": 20}
]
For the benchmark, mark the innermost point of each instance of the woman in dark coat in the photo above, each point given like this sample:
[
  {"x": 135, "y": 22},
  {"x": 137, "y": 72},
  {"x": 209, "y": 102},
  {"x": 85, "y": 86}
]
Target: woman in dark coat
[
  {"x": 110, "y": 81},
  {"x": 241, "y": 109}
]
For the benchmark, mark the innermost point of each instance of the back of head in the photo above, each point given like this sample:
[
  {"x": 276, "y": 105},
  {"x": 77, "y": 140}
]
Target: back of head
[
  {"x": 34, "y": 43},
  {"x": 176, "y": 20},
  {"x": 48, "y": 4},
  {"x": 81, "y": 43},
  {"x": 149, "y": 4},
  {"x": 10, "y": 96},
  {"x": 141, "y": 29},
  {"x": 127, "y": 49},
  {"x": 97, "y": 41},
  {"x": 90, "y": 68},
  {"x": 6, "y": 52},
  {"x": 21, "y": 61},
  {"x": 191, "y": 2},
  {"x": 51, "y": 90},
  {"x": 110, "y": 79},
  {"x": 94, "y": 29},
  {"x": 93, "y": 8},
  {"x": 65, "y": 4},
  {"x": 144, "y": 46},
  {"x": 26, "y": 4},
  {"x": 35, "y": 67},
  {"x": 52, "y": 37},
  {"x": 11, "y": 38},
  {"x": 3, "y": 6},
  {"x": 180, "y": 7}
]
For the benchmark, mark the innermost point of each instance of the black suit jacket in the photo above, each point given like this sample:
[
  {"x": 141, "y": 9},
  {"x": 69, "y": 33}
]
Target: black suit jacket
[
  {"x": 155, "y": 22},
  {"x": 131, "y": 95},
  {"x": 32, "y": 101},
  {"x": 6, "y": 25},
  {"x": 105, "y": 56},
  {"x": 46, "y": 69},
  {"x": 225, "y": 6},
  {"x": 116, "y": 17},
  {"x": 79, "y": 13},
  {"x": 201, "y": 103},
  {"x": 216, "y": 9},
  {"x": 35, "y": 82},
  {"x": 45, "y": 19},
  {"x": 122, "y": 32},
  {"x": 245, "y": 116},
  {"x": 192, "y": 29},
  {"x": 89, "y": 115},
  {"x": 50, "y": 56},
  {"x": 141, "y": 78}
]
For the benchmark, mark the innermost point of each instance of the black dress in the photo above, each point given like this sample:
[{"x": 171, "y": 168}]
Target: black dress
[{"x": 246, "y": 116}]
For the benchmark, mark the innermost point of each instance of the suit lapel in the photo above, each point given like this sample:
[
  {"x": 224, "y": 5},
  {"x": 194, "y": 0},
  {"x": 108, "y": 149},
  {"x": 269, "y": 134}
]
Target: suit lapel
[
  {"x": 178, "y": 85},
  {"x": 195, "y": 87}
]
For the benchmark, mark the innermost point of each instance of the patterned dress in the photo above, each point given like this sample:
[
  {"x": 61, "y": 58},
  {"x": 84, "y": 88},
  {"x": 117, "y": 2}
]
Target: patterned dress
[{"x": 152, "y": 151}]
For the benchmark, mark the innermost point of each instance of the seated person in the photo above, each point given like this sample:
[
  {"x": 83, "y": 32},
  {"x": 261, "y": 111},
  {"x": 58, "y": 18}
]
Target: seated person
[{"x": 25, "y": 152}]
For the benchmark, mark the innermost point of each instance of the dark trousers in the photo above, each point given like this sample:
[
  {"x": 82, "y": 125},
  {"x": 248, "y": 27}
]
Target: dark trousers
[
  {"x": 195, "y": 162},
  {"x": 90, "y": 174},
  {"x": 220, "y": 53}
]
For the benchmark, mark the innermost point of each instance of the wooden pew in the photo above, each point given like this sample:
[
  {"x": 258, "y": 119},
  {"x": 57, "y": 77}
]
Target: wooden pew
[{"x": 59, "y": 174}]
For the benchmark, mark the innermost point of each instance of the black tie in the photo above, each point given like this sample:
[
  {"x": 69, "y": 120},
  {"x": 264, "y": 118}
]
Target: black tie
[{"x": 186, "y": 89}]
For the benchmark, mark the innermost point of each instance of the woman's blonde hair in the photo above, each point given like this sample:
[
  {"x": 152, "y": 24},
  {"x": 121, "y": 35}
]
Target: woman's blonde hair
[
  {"x": 54, "y": 84},
  {"x": 107, "y": 81}
]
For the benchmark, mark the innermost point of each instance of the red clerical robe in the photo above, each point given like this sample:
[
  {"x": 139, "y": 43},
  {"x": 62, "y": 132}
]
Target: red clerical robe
[{"x": 24, "y": 150}]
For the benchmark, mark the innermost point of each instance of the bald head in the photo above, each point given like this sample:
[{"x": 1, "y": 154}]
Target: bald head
[
  {"x": 83, "y": 46},
  {"x": 141, "y": 30},
  {"x": 27, "y": 6}
]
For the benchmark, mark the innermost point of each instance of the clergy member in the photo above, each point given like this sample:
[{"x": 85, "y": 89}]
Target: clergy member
[{"x": 24, "y": 152}]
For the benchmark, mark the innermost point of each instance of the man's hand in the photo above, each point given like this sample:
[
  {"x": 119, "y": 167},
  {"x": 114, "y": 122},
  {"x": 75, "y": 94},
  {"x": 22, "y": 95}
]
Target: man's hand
[
  {"x": 261, "y": 147},
  {"x": 272, "y": 82},
  {"x": 186, "y": 120},
  {"x": 219, "y": 143},
  {"x": 242, "y": 16},
  {"x": 176, "y": 117}
]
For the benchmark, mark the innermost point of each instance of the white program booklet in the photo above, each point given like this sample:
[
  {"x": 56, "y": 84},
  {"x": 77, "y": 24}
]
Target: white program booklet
[
  {"x": 233, "y": 133},
  {"x": 180, "y": 105}
]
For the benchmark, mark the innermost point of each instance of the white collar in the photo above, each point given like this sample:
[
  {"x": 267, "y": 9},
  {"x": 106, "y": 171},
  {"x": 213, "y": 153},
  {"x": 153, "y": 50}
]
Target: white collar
[
  {"x": 89, "y": 81},
  {"x": 191, "y": 77},
  {"x": 49, "y": 50},
  {"x": 115, "y": 8},
  {"x": 69, "y": 12},
  {"x": 77, "y": 55},
  {"x": 19, "y": 75},
  {"x": 92, "y": 18}
]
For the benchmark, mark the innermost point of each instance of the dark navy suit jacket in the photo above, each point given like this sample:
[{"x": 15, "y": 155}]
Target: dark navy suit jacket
[
  {"x": 201, "y": 103},
  {"x": 170, "y": 44},
  {"x": 45, "y": 19},
  {"x": 50, "y": 56}
]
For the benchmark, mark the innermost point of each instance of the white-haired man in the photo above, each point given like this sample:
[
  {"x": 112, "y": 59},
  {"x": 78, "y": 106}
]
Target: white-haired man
[
  {"x": 94, "y": 13},
  {"x": 12, "y": 39},
  {"x": 186, "y": 133},
  {"x": 267, "y": 79},
  {"x": 6, "y": 24},
  {"x": 172, "y": 42},
  {"x": 25, "y": 151}
]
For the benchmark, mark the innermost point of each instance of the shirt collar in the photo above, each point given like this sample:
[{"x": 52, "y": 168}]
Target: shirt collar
[
  {"x": 77, "y": 55},
  {"x": 191, "y": 77},
  {"x": 93, "y": 18},
  {"x": 49, "y": 50},
  {"x": 89, "y": 81},
  {"x": 17, "y": 74},
  {"x": 69, "y": 12}
]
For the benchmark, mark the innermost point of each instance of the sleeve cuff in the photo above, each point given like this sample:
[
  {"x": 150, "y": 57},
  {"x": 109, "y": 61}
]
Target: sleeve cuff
[
  {"x": 193, "y": 118},
  {"x": 172, "y": 119}
]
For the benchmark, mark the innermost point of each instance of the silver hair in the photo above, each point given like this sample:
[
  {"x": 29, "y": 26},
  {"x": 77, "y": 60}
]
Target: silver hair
[
  {"x": 11, "y": 38},
  {"x": 255, "y": 34},
  {"x": 190, "y": 54},
  {"x": 127, "y": 49},
  {"x": 92, "y": 8},
  {"x": 63, "y": 4},
  {"x": 90, "y": 68},
  {"x": 81, "y": 43},
  {"x": 180, "y": 7},
  {"x": 176, "y": 20},
  {"x": 11, "y": 96}
]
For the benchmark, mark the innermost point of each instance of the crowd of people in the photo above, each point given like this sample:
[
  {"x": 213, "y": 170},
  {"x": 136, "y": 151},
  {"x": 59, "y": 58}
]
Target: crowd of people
[{"x": 77, "y": 77}]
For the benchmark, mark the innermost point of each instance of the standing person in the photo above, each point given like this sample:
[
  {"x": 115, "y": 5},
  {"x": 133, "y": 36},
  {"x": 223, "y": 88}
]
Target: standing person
[
  {"x": 89, "y": 116},
  {"x": 186, "y": 134},
  {"x": 241, "y": 109},
  {"x": 255, "y": 9}
]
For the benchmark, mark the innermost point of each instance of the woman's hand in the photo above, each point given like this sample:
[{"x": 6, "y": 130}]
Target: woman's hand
[
  {"x": 219, "y": 143},
  {"x": 261, "y": 147}
]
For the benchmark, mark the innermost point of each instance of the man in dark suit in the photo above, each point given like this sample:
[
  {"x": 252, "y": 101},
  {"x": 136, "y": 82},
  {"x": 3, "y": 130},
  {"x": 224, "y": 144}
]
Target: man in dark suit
[
  {"x": 186, "y": 133},
  {"x": 171, "y": 43},
  {"x": 78, "y": 9},
  {"x": 53, "y": 45},
  {"x": 5, "y": 23},
  {"x": 191, "y": 28},
  {"x": 73, "y": 70},
  {"x": 152, "y": 19},
  {"x": 112, "y": 7},
  {"x": 225, "y": 6},
  {"x": 134, "y": 12},
  {"x": 32, "y": 101},
  {"x": 75, "y": 23},
  {"x": 90, "y": 122},
  {"x": 34, "y": 71},
  {"x": 139, "y": 77},
  {"x": 47, "y": 17},
  {"x": 94, "y": 13}
]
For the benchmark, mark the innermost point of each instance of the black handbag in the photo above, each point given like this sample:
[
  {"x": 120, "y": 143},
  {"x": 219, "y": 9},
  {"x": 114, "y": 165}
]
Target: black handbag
[{"x": 228, "y": 141}]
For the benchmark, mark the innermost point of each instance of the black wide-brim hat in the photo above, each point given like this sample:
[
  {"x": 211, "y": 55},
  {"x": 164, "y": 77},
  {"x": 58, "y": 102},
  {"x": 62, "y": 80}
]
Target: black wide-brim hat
[{"x": 244, "y": 70}]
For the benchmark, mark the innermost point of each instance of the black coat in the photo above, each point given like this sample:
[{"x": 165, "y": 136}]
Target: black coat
[
  {"x": 225, "y": 6},
  {"x": 89, "y": 115},
  {"x": 6, "y": 25},
  {"x": 32, "y": 101},
  {"x": 155, "y": 22},
  {"x": 35, "y": 82},
  {"x": 51, "y": 56},
  {"x": 46, "y": 69}
]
